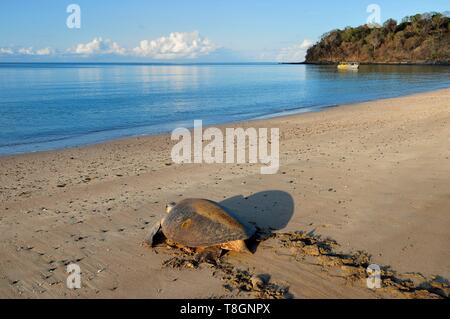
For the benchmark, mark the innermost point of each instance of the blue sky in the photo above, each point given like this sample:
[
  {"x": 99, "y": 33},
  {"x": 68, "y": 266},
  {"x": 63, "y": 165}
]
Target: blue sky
[{"x": 202, "y": 30}]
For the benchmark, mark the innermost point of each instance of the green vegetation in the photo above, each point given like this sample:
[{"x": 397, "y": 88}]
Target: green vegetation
[{"x": 422, "y": 38}]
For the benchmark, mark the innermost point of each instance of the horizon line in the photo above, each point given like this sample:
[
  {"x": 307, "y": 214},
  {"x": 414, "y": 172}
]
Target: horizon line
[{"x": 144, "y": 63}]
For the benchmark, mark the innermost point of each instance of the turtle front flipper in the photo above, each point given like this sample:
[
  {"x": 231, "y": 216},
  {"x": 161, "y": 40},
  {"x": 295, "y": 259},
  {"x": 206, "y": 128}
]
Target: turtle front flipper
[
  {"x": 238, "y": 246},
  {"x": 152, "y": 236}
]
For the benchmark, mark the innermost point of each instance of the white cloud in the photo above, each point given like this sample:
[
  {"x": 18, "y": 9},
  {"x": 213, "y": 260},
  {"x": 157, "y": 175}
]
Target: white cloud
[
  {"x": 26, "y": 51},
  {"x": 6, "y": 51},
  {"x": 98, "y": 46},
  {"x": 188, "y": 45},
  {"x": 178, "y": 45},
  {"x": 295, "y": 53},
  {"x": 45, "y": 51}
]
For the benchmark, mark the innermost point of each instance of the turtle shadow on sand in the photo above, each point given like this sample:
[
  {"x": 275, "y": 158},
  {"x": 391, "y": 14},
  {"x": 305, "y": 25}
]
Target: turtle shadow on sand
[{"x": 268, "y": 211}]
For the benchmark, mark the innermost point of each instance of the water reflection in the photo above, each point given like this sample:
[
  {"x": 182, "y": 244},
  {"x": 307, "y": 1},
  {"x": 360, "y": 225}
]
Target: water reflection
[{"x": 175, "y": 78}]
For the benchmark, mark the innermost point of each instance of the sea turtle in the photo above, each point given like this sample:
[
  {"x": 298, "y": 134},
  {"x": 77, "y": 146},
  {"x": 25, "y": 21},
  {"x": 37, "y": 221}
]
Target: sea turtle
[{"x": 201, "y": 223}]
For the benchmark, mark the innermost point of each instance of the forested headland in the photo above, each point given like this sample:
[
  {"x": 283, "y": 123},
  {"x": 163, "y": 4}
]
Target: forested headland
[{"x": 422, "y": 38}]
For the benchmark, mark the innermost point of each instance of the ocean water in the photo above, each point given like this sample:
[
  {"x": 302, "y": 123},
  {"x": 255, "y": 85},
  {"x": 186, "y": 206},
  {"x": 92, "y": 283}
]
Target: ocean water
[{"x": 51, "y": 106}]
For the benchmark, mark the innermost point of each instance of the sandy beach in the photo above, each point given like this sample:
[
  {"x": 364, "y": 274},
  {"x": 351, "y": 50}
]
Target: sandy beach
[{"x": 373, "y": 177}]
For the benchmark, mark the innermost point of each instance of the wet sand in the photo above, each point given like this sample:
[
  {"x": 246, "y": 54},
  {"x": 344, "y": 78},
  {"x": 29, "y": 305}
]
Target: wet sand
[{"x": 374, "y": 177}]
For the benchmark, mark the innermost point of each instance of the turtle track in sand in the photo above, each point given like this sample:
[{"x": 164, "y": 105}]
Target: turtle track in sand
[
  {"x": 353, "y": 266},
  {"x": 236, "y": 280},
  {"x": 305, "y": 248}
]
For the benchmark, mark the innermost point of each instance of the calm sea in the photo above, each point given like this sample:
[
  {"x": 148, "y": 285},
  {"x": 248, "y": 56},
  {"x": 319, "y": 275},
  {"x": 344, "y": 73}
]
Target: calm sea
[{"x": 51, "y": 106}]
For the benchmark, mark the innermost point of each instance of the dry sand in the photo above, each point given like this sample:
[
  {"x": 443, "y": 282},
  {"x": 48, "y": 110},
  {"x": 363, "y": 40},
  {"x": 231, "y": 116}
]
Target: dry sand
[{"x": 373, "y": 176}]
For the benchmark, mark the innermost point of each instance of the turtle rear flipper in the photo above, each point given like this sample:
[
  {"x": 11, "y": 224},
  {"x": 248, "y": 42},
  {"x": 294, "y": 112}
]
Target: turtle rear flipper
[{"x": 153, "y": 235}]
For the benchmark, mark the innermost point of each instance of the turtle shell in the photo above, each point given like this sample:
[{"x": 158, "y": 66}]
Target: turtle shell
[{"x": 203, "y": 223}]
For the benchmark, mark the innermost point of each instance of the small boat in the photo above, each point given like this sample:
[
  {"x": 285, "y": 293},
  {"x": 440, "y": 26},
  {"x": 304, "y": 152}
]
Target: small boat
[{"x": 348, "y": 66}]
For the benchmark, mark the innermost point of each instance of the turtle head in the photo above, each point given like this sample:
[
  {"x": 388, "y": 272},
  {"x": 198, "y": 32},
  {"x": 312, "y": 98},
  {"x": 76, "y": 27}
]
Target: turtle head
[{"x": 169, "y": 207}]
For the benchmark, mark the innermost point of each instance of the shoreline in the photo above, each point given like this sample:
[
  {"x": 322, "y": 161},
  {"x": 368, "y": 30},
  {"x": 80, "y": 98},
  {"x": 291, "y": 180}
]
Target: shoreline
[
  {"x": 295, "y": 112},
  {"x": 354, "y": 173}
]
